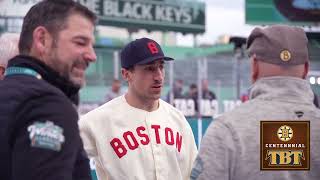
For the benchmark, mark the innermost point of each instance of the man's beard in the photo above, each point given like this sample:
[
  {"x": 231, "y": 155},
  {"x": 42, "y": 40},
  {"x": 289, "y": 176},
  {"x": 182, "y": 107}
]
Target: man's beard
[
  {"x": 67, "y": 71},
  {"x": 77, "y": 81}
]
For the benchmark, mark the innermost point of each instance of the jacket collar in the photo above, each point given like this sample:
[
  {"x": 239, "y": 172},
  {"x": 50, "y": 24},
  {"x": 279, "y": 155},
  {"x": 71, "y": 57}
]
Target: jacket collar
[
  {"x": 282, "y": 88},
  {"x": 47, "y": 73}
]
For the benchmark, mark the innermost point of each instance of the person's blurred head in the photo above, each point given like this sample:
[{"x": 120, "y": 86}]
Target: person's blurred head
[
  {"x": 205, "y": 85},
  {"x": 278, "y": 50},
  {"x": 60, "y": 33},
  {"x": 193, "y": 89},
  {"x": 178, "y": 84},
  {"x": 116, "y": 86},
  {"x": 8, "y": 49},
  {"x": 142, "y": 62}
]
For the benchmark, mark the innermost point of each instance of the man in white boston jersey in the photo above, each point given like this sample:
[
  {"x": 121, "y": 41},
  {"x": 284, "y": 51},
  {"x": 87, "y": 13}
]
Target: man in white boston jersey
[{"x": 137, "y": 135}]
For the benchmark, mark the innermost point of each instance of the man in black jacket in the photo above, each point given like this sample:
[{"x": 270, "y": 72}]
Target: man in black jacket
[{"x": 39, "y": 136}]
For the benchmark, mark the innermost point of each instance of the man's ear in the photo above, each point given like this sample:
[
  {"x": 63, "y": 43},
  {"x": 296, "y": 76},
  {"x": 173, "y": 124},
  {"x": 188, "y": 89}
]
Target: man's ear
[
  {"x": 41, "y": 39},
  {"x": 254, "y": 69},
  {"x": 306, "y": 70},
  {"x": 2, "y": 70},
  {"x": 125, "y": 74}
]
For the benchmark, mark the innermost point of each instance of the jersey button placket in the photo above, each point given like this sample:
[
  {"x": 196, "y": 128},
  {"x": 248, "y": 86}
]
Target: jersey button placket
[{"x": 156, "y": 148}]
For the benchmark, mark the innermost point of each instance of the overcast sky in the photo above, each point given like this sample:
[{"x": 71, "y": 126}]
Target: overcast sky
[{"x": 223, "y": 17}]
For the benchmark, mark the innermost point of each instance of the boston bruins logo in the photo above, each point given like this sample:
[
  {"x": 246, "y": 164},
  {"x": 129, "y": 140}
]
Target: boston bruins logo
[
  {"x": 285, "y": 55},
  {"x": 285, "y": 133}
]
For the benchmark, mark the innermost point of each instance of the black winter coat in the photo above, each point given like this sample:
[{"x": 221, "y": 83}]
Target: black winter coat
[{"x": 39, "y": 135}]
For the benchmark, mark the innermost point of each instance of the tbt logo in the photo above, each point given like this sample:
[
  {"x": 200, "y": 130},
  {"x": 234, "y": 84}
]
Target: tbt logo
[{"x": 285, "y": 145}]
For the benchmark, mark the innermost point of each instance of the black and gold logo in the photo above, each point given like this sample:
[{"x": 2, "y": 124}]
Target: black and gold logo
[
  {"x": 285, "y": 133},
  {"x": 285, "y": 145},
  {"x": 285, "y": 55}
]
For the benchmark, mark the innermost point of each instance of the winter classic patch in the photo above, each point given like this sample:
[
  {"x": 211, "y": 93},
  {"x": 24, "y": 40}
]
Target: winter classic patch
[{"x": 46, "y": 135}]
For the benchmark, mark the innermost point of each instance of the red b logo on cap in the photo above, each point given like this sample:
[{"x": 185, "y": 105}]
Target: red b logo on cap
[{"x": 153, "y": 47}]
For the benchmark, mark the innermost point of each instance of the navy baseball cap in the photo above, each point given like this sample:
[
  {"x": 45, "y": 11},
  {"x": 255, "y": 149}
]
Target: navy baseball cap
[{"x": 141, "y": 51}]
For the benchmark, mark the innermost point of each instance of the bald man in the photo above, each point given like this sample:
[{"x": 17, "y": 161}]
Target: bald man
[
  {"x": 8, "y": 49},
  {"x": 273, "y": 131}
]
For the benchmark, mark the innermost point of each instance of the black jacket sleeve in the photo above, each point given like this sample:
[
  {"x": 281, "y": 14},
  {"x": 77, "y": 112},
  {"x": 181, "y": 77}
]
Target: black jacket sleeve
[{"x": 46, "y": 143}]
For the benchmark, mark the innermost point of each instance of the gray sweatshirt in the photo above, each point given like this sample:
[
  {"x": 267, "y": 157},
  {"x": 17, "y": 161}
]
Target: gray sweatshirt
[{"x": 230, "y": 149}]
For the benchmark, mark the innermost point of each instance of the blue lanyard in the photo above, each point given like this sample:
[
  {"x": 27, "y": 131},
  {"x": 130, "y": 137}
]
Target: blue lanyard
[{"x": 22, "y": 70}]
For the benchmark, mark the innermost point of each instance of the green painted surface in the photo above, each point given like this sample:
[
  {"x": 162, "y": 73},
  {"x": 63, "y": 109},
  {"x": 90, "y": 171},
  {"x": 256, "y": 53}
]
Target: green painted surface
[
  {"x": 181, "y": 53},
  {"x": 265, "y": 12},
  {"x": 164, "y": 15}
]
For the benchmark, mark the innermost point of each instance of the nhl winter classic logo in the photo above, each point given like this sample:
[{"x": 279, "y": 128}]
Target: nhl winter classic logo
[
  {"x": 285, "y": 145},
  {"x": 46, "y": 135}
]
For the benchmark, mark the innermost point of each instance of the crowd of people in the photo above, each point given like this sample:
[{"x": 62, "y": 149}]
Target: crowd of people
[
  {"x": 177, "y": 92},
  {"x": 136, "y": 134},
  {"x": 192, "y": 93}
]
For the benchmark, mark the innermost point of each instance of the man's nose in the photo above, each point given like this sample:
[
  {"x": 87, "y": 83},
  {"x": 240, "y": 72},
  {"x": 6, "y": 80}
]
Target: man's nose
[
  {"x": 159, "y": 74},
  {"x": 90, "y": 55}
]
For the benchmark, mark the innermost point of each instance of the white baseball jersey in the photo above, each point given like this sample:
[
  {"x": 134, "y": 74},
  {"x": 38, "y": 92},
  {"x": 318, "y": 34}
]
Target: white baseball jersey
[{"x": 129, "y": 143}]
